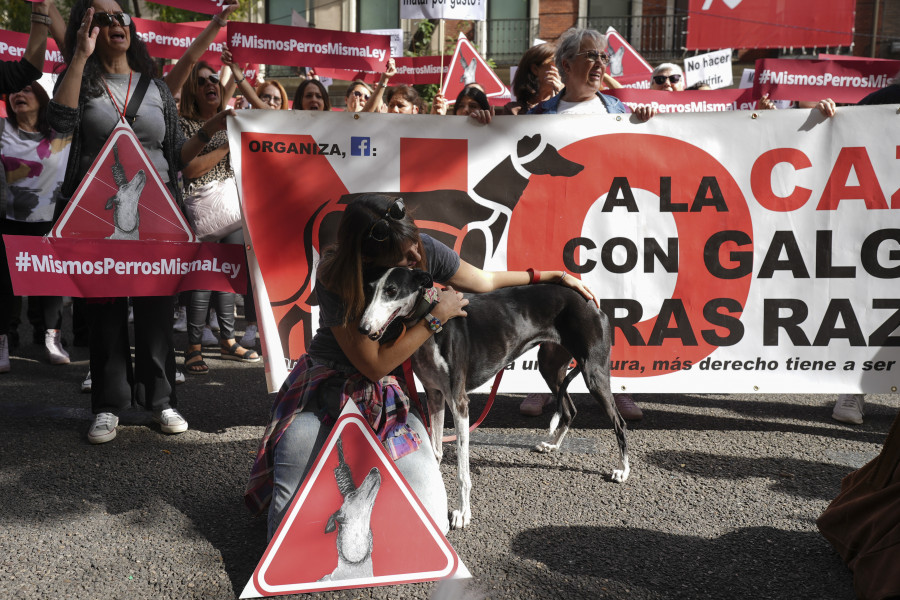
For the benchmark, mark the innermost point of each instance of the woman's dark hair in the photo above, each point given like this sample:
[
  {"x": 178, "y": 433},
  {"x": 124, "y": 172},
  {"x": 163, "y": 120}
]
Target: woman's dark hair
[
  {"x": 43, "y": 124},
  {"x": 474, "y": 93},
  {"x": 190, "y": 108},
  {"x": 342, "y": 264},
  {"x": 408, "y": 93},
  {"x": 355, "y": 84},
  {"x": 525, "y": 84},
  {"x": 92, "y": 82},
  {"x": 298, "y": 95}
]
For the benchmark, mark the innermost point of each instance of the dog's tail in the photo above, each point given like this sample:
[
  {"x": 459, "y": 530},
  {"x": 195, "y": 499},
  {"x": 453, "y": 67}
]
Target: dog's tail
[{"x": 563, "y": 399}]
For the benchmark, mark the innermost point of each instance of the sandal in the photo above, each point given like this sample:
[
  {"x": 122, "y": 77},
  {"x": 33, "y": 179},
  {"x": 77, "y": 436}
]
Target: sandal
[
  {"x": 534, "y": 404},
  {"x": 232, "y": 352},
  {"x": 198, "y": 367}
]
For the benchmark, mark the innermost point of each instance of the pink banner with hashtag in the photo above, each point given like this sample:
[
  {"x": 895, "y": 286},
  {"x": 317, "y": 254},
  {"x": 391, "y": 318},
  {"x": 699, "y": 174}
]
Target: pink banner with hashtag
[
  {"x": 207, "y": 7},
  {"x": 411, "y": 70},
  {"x": 687, "y": 101},
  {"x": 171, "y": 40},
  {"x": 12, "y": 48},
  {"x": 99, "y": 268},
  {"x": 844, "y": 81},
  {"x": 306, "y": 47}
]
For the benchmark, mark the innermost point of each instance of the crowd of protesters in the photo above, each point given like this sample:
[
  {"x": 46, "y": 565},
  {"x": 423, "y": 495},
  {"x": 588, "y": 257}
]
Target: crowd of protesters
[{"x": 182, "y": 126}]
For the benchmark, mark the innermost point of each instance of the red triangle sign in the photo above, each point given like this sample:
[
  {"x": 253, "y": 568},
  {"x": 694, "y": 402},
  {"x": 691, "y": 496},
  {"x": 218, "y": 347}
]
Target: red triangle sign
[
  {"x": 400, "y": 541},
  {"x": 626, "y": 65},
  {"x": 123, "y": 198},
  {"x": 467, "y": 67}
]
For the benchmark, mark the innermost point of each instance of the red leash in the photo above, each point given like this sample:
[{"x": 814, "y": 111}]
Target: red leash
[{"x": 414, "y": 394}]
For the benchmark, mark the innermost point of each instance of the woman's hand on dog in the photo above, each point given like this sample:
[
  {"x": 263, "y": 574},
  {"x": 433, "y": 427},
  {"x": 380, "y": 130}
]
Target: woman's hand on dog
[
  {"x": 451, "y": 305},
  {"x": 578, "y": 285}
]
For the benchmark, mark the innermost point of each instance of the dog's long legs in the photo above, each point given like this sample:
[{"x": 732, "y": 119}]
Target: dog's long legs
[
  {"x": 436, "y": 418},
  {"x": 553, "y": 362},
  {"x": 565, "y": 413},
  {"x": 598, "y": 384},
  {"x": 462, "y": 516}
]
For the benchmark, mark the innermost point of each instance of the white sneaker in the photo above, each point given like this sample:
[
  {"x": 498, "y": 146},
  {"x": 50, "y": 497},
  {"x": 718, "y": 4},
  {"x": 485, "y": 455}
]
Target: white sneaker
[
  {"x": 180, "y": 324},
  {"x": 179, "y": 376},
  {"x": 55, "y": 352},
  {"x": 627, "y": 408},
  {"x": 103, "y": 429},
  {"x": 849, "y": 408},
  {"x": 170, "y": 421},
  {"x": 86, "y": 384},
  {"x": 213, "y": 320},
  {"x": 249, "y": 339},
  {"x": 209, "y": 338},
  {"x": 4, "y": 353}
]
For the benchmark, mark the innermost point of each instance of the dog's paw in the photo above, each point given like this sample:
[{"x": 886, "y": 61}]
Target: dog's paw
[
  {"x": 545, "y": 447},
  {"x": 619, "y": 475},
  {"x": 460, "y": 519}
]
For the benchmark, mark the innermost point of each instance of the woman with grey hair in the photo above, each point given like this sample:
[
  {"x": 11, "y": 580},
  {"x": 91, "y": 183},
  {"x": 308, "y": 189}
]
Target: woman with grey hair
[
  {"x": 667, "y": 77},
  {"x": 581, "y": 60}
]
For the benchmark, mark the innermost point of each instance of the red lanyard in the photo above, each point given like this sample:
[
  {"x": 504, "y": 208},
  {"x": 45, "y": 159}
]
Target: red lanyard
[{"x": 127, "y": 93}]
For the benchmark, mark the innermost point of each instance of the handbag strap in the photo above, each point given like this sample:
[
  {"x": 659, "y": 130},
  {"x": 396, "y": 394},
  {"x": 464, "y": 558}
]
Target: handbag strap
[{"x": 134, "y": 103}]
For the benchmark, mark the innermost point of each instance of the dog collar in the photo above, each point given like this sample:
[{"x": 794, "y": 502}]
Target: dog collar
[{"x": 427, "y": 301}]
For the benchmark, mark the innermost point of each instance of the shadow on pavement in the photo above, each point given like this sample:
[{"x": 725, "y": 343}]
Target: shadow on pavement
[{"x": 751, "y": 563}]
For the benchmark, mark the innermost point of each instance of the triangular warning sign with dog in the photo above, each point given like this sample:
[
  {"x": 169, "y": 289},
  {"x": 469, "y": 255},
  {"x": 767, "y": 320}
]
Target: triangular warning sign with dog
[
  {"x": 123, "y": 198},
  {"x": 354, "y": 522},
  {"x": 626, "y": 65},
  {"x": 467, "y": 67}
]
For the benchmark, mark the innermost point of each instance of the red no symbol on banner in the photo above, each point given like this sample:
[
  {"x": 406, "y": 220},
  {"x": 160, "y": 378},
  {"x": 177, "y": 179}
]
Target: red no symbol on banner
[{"x": 705, "y": 201}]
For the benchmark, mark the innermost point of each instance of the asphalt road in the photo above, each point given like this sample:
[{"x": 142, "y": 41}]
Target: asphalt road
[{"x": 721, "y": 502}]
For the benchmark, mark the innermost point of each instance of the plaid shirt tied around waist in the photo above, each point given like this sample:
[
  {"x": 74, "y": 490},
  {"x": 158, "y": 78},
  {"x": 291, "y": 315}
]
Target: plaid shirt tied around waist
[{"x": 383, "y": 403}]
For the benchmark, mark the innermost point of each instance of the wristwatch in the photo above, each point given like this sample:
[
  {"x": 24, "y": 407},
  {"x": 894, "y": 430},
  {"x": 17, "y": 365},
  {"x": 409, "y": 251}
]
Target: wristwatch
[{"x": 433, "y": 323}]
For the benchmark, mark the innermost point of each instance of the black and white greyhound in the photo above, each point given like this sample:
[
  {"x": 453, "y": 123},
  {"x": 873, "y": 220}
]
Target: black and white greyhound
[
  {"x": 353, "y": 521},
  {"x": 500, "y": 326}
]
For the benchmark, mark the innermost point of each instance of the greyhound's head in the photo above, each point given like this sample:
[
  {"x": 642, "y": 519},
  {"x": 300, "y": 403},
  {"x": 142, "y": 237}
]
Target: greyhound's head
[
  {"x": 468, "y": 75},
  {"x": 129, "y": 194},
  {"x": 391, "y": 295},
  {"x": 355, "y": 513},
  {"x": 540, "y": 158},
  {"x": 615, "y": 61}
]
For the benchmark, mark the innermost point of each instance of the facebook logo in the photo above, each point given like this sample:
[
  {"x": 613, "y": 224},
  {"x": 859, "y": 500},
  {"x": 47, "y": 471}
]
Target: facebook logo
[{"x": 361, "y": 146}]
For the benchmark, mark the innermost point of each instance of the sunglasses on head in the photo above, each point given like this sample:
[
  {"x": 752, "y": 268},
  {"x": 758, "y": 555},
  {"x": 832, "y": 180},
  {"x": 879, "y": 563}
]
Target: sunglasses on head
[
  {"x": 381, "y": 229},
  {"x": 595, "y": 57},
  {"x": 359, "y": 94},
  {"x": 104, "y": 19},
  {"x": 213, "y": 79},
  {"x": 661, "y": 79}
]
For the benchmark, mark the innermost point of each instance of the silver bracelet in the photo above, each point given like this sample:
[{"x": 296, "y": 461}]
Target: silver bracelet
[
  {"x": 220, "y": 21},
  {"x": 562, "y": 277},
  {"x": 42, "y": 19}
]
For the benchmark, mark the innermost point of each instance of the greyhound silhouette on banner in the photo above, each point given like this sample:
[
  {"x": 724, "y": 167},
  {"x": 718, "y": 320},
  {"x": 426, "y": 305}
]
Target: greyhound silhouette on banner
[{"x": 472, "y": 223}]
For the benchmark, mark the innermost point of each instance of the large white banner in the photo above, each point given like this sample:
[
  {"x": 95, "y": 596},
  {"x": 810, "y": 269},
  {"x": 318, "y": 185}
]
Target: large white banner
[
  {"x": 466, "y": 10},
  {"x": 734, "y": 252}
]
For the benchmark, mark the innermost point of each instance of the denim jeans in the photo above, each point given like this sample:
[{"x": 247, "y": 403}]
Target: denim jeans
[{"x": 300, "y": 445}]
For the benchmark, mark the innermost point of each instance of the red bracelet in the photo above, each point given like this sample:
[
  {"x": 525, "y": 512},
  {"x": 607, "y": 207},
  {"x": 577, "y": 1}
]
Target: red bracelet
[{"x": 535, "y": 275}]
